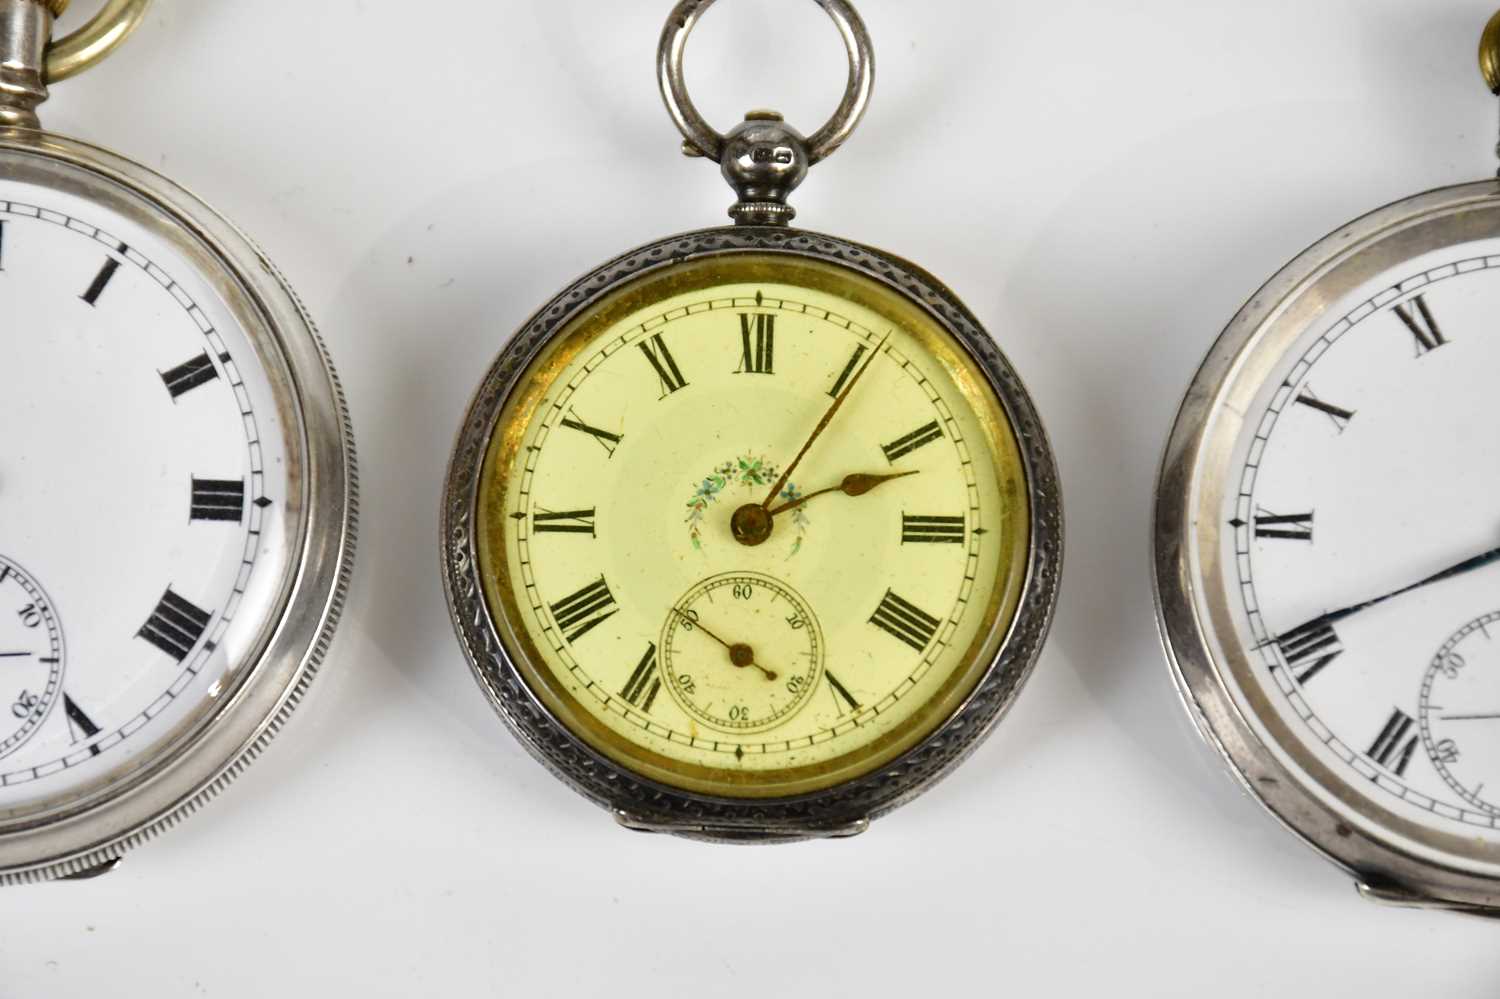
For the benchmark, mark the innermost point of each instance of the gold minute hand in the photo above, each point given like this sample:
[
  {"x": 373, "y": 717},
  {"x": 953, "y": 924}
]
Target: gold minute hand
[
  {"x": 786, "y": 473},
  {"x": 853, "y": 485}
]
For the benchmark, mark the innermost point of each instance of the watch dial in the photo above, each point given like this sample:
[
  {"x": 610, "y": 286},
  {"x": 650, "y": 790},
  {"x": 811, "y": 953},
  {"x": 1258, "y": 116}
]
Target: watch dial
[
  {"x": 635, "y": 586},
  {"x": 1359, "y": 546},
  {"x": 144, "y": 491}
]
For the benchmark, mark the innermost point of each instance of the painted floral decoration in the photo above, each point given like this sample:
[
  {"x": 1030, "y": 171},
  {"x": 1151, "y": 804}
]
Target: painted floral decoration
[{"x": 749, "y": 471}]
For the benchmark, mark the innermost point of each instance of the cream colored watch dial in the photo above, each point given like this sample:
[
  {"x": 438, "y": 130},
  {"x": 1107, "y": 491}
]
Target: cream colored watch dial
[{"x": 855, "y": 629}]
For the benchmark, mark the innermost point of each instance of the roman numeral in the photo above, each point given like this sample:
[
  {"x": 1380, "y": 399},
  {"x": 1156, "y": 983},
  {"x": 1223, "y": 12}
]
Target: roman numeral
[
  {"x": 1289, "y": 526},
  {"x": 218, "y": 499},
  {"x": 564, "y": 522},
  {"x": 189, "y": 375},
  {"x": 842, "y": 692},
  {"x": 175, "y": 626},
  {"x": 667, "y": 372},
  {"x": 2, "y": 244},
  {"x": 605, "y": 439},
  {"x": 1423, "y": 327},
  {"x": 1310, "y": 648},
  {"x": 101, "y": 280},
  {"x": 580, "y": 613},
  {"x": 1394, "y": 746},
  {"x": 848, "y": 372},
  {"x": 80, "y": 726},
  {"x": 758, "y": 344},
  {"x": 1338, "y": 414},
  {"x": 640, "y": 690},
  {"x": 905, "y": 621},
  {"x": 917, "y": 438},
  {"x": 932, "y": 530}
]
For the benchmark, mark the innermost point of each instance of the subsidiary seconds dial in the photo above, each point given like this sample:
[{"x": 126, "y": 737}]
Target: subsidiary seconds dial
[
  {"x": 31, "y": 655},
  {"x": 741, "y": 652},
  {"x": 1460, "y": 712}
]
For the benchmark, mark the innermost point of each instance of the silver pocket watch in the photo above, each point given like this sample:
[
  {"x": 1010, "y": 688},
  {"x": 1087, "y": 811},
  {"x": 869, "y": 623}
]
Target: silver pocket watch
[
  {"x": 177, "y": 485},
  {"x": 1327, "y": 554},
  {"x": 752, "y": 533}
]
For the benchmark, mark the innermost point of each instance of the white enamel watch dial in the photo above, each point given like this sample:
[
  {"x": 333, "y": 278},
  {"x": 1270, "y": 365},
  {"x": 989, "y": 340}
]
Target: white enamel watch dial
[
  {"x": 175, "y": 500},
  {"x": 1329, "y": 546},
  {"x": 148, "y": 490}
]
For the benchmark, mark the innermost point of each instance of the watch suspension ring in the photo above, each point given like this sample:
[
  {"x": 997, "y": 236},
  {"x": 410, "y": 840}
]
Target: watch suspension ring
[
  {"x": 99, "y": 36},
  {"x": 763, "y": 158}
]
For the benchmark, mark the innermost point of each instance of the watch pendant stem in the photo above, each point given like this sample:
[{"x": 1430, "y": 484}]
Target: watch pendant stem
[
  {"x": 25, "y": 29},
  {"x": 764, "y": 160}
]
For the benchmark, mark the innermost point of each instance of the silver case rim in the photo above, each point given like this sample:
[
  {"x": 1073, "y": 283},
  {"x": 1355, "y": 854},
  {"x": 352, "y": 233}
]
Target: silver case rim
[
  {"x": 179, "y": 784},
  {"x": 1382, "y": 870},
  {"x": 642, "y": 804}
]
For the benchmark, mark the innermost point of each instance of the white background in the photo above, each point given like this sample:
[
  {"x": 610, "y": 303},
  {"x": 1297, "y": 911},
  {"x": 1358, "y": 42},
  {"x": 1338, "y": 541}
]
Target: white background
[{"x": 1104, "y": 183}]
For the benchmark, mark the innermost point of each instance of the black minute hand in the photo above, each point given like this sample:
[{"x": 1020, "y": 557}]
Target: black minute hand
[{"x": 1467, "y": 565}]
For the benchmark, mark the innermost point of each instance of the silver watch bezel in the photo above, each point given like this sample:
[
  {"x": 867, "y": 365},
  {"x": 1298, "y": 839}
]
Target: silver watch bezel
[{"x": 642, "y": 804}]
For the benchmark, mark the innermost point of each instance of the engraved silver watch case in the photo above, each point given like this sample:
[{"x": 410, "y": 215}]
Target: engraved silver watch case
[
  {"x": 763, "y": 160},
  {"x": 86, "y": 831}
]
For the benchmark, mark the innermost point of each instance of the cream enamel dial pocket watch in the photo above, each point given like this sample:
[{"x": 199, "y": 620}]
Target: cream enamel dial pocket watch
[
  {"x": 1328, "y": 547},
  {"x": 752, "y": 533},
  {"x": 176, "y": 484}
]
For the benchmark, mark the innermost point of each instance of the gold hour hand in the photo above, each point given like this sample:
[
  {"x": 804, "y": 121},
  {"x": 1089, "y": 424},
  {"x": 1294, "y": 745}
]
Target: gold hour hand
[
  {"x": 740, "y": 654},
  {"x": 853, "y": 485}
]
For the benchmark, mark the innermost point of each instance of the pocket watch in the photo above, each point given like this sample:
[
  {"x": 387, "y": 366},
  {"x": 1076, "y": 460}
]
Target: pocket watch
[
  {"x": 752, "y": 533},
  {"x": 1326, "y": 560},
  {"x": 176, "y": 484}
]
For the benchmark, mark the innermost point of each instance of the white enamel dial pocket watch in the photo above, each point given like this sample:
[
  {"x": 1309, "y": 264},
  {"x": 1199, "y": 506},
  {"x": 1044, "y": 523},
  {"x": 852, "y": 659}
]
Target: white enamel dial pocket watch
[
  {"x": 752, "y": 533},
  {"x": 176, "y": 484},
  {"x": 1327, "y": 549}
]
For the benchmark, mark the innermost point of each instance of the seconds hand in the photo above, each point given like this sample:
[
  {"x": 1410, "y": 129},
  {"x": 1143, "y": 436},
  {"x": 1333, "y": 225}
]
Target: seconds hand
[
  {"x": 740, "y": 654},
  {"x": 1468, "y": 565}
]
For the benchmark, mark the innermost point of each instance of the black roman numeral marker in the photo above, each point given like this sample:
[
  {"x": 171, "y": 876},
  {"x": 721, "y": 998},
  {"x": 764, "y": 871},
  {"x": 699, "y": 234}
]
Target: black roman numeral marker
[
  {"x": 1289, "y": 526},
  {"x": 564, "y": 522},
  {"x": 1338, "y": 414},
  {"x": 841, "y": 691},
  {"x": 1394, "y": 746},
  {"x": 80, "y": 726},
  {"x": 758, "y": 344},
  {"x": 175, "y": 626},
  {"x": 218, "y": 499},
  {"x": 1423, "y": 327},
  {"x": 189, "y": 375},
  {"x": 640, "y": 690},
  {"x": 1310, "y": 648},
  {"x": 905, "y": 621},
  {"x": 580, "y": 613},
  {"x": 606, "y": 440},
  {"x": 917, "y": 438},
  {"x": 848, "y": 372},
  {"x": 932, "y": 530},
  {"x": 667, "y": 372},
  {"x": 101, "y": 280}
]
